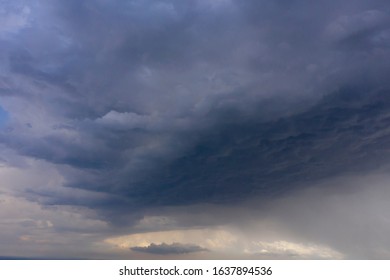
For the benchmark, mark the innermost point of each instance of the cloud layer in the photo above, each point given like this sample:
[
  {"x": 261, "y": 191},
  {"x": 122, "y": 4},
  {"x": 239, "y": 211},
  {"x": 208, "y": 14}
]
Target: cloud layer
[{"x": 122, "y": 110}]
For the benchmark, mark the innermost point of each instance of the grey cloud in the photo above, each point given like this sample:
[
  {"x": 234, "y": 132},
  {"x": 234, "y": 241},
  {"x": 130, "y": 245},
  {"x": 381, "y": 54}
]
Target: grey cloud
[
  {"x": 136, "y": 64},
  {"x": 341, "y": 217},
  {"x": 348, "y": 213},
  {"x": 271, "y": 158},
  {"x": 350, "y": 25},
  {"x": 169, "y": 249},
  {"x": 143, "y": 104}
]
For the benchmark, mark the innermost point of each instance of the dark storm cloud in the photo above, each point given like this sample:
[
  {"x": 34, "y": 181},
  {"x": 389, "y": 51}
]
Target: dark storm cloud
[
  {"x": 172, "y": 102},
  {"x": 169, "y": 249},
  {"x": 345, "y": 132}
]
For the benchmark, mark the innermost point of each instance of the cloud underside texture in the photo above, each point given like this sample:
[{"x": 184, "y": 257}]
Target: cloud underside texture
[{"x": 130, "y": 109}]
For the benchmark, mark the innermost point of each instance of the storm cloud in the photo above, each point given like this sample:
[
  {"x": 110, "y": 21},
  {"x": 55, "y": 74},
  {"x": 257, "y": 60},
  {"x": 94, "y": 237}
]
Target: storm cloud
[{"x": 147, "y": 116}]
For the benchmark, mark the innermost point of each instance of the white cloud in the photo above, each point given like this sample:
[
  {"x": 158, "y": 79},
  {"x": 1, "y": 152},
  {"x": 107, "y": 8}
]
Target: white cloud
[
  {"x": 286, "y": 249},
  {"x": 127, "y": 120}
]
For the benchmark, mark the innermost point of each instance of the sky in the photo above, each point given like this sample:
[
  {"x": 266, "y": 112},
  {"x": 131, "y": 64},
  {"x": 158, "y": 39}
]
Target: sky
[{"x": 202, "y": 129}]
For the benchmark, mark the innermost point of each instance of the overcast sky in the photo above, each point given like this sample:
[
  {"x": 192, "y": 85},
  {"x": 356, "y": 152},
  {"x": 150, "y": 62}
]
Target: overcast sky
[{"x": 195, "y": 129}]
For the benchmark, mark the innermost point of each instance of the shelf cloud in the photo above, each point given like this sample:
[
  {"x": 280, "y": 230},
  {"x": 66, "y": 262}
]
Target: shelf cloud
[{"x": 263, "y": 123}]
